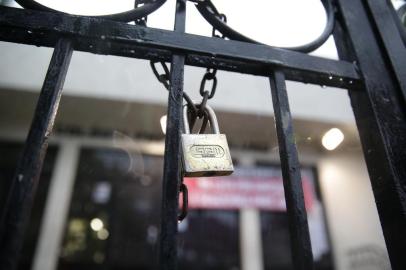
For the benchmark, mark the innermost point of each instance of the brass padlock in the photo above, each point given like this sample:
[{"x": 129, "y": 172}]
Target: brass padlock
[{"x": 205, "y": 154}]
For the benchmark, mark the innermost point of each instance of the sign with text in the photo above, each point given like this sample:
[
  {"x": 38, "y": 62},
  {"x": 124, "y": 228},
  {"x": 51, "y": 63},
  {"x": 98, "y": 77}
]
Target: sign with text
[{"x": 246, "y": 188}]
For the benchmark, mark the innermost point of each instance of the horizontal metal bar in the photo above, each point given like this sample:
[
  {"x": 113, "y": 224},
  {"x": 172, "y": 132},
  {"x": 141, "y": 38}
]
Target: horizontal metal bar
[{"x": 114, "y": 38}]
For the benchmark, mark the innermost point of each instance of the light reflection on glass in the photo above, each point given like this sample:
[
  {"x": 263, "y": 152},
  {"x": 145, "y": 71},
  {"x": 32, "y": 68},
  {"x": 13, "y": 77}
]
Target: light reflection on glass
[{"x": 96, "y": 224}]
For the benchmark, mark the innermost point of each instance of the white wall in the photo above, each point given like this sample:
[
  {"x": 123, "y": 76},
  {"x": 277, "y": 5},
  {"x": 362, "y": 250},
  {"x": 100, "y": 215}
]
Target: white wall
[
  {"x": 351, "y": 211},
  {"x": 24, "y": 67}
]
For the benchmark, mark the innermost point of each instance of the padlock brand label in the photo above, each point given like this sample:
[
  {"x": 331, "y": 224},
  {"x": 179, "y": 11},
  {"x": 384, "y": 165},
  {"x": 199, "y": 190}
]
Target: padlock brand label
[{"x": 207, "y": 151}]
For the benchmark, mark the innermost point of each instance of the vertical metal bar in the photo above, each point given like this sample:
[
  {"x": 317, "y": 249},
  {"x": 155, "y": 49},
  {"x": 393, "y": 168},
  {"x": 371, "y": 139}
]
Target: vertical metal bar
[
  {"x": 381, "y": 119},
  {"x": 17, "y": 211},
  {"x": 302, "y": 256},
  {"x": 386, "y": 25},
  {"x": 172, "y": 160},
  {"x": 399, "y": 24}
]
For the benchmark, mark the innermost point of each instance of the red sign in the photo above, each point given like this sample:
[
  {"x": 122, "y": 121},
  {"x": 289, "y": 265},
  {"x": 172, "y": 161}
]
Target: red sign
[{"x": 236, "y": 192}]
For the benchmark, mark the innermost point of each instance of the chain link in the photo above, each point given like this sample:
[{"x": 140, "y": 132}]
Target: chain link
[
  {"x": 164, "y": 79},
  {"x": 185, "y": 202},
  {"x": 210, "y": 75}
]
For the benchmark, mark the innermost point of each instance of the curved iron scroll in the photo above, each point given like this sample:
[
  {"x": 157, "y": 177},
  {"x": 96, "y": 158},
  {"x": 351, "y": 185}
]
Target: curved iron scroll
[
  {"x": 148, "y": 7},
  {"x": 210, "y": 13}
]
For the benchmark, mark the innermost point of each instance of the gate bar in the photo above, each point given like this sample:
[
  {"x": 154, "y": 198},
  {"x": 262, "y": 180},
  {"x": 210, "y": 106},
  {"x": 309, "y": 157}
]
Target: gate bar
[
  {"x": 387, "y": 27},
  {"x": 114, "y": 38},
  {"x": 302, "y": 256},
  {"x": 381, "y": 120},
  {"x": 17, "y": 212},
  {"x": 172, "y": 160}
]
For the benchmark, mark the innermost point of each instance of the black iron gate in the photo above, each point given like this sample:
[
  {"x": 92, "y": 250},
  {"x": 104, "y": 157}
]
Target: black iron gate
[{"x": 372, "y": 50}]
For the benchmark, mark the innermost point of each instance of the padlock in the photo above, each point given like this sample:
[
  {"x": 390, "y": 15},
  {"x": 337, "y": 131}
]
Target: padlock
[{"x": 205, "y": 154}]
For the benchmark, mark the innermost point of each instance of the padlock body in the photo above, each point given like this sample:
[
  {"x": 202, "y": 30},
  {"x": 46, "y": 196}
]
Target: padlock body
[{"x": 206, "y": 155}]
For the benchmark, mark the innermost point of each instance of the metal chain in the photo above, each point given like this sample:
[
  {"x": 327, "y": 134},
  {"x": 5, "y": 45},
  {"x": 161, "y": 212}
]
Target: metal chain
[
  {"x": 198, "y": 111},
  {"x": 210, "y": 75},
  {"x": 185, "y": 202},
  {"x": 164, "y": 78},
  {"x": 211, "y": 72}
]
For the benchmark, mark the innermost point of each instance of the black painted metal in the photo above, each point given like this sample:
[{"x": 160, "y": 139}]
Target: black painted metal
[
  {"x": 172, "y": 161},
  {"x": 25, "y": 181},
  {"x": 127, "y": 16},
  {"x": 365, "y": 33},
  {"x": 107, "y": 37},
  {"x": 397, "y": 14},
  {"x": 391, "y": 38},
  {"x": 208, "y": 10},
  {"x": 380, "y": 115},
  {"x": 299, "y": 230}
]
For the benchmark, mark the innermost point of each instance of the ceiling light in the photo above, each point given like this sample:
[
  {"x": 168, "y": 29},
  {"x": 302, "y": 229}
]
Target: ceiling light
[{"x": 332, "y": 139}]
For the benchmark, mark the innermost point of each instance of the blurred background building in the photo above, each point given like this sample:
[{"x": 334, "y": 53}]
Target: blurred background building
[{"x": 98, "y": 202}]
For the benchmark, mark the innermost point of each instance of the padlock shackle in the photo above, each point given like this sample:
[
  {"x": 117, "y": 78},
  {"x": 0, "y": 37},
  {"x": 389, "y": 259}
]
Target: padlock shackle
[{"x": 212, "y": 119}]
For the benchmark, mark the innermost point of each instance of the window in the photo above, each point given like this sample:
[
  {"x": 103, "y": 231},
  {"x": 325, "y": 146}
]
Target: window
[{"x": 9, "y": 155}]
